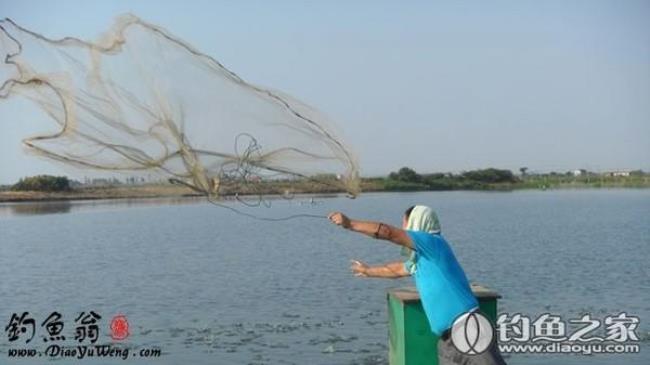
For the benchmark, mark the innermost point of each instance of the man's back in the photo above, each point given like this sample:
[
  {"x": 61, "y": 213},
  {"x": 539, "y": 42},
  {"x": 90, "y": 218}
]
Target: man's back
[{"x": 441, "y": 282}]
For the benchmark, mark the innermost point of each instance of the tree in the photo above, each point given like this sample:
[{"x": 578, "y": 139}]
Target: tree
[
  {"x": 523, "y": 170},
  {"x": 490, "y": 175},
  {"x": 435, "y": 176},
  {"x": 42, "y": 183},
  {"x": 405, "y": 174}
]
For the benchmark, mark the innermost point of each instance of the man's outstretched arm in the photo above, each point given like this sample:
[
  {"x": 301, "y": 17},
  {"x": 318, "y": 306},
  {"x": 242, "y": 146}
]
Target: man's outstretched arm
[
  {"x": 391, "y": 270},
  {"x": 373, "y": 229}
]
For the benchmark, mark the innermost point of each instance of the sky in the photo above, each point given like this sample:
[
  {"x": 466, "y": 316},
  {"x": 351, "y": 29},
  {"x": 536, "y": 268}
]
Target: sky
[{"x": 435, "y": 85}]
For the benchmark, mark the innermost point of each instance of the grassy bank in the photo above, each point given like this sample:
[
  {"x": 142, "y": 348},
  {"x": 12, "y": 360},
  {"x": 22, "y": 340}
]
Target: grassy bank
[{"x": 368, "y": 185}]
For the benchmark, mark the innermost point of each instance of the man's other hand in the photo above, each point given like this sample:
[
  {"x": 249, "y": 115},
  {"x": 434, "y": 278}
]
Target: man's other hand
[{"x": 359, "y": 268}]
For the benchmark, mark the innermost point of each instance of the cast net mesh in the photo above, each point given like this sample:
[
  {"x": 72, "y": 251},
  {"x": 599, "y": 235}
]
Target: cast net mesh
[{"x": 140, "y": 99}]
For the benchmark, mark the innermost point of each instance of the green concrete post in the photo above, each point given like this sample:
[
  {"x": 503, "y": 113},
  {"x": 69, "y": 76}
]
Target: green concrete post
[{"x": 411, "y": 341}]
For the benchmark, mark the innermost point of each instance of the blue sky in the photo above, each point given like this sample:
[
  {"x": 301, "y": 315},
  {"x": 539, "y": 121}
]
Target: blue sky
[{"x": 438, "y": 86}]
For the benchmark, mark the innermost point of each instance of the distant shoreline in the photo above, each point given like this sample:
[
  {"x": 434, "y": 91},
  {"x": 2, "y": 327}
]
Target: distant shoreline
[{"x": 173, "y": 191}]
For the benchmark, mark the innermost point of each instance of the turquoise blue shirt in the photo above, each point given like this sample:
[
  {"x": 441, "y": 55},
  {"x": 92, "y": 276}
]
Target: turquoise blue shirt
[{"x": 444, "y": 290}]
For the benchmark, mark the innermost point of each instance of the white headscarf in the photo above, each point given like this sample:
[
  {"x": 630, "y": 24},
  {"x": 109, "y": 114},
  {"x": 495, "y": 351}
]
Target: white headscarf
[{"x": 423, "y": 219}]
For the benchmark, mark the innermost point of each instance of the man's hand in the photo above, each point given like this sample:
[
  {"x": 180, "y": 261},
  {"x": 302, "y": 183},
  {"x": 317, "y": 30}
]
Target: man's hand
[
  {"x": 391, "y": 270},
  {"x": 339, "y": 219},
  {"x": 359, "y": 268}
]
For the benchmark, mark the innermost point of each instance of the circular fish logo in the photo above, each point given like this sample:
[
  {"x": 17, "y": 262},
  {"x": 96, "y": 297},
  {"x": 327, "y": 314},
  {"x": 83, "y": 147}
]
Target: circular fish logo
[{"x": 472, "y": 333}]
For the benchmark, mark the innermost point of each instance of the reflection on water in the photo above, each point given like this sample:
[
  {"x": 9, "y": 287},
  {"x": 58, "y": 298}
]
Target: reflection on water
[
  {"x": 40, "y": 208},
  {"x": 66, "y": 206}
]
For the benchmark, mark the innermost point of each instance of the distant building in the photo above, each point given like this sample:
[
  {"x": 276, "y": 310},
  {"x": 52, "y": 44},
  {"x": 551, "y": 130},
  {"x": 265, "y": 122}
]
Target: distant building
[
  {"x": 579, "y": 172},
  {"x": 618, "y": 173}
]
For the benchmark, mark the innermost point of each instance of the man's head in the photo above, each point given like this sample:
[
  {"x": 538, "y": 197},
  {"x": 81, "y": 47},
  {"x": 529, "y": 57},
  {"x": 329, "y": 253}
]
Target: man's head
[
  {"x": 405, "y": 217},
  {"x": 421, "y": 218}
]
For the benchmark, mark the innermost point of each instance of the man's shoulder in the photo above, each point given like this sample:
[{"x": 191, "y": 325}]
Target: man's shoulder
[
  {"x": 424, "y": 241},
  {"x": 424, "y": 235},
  {"x": 419, "y": 235}
]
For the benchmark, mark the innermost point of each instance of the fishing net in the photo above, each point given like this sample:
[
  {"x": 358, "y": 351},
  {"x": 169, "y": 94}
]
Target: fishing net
[{"x": 140, "y": 100}]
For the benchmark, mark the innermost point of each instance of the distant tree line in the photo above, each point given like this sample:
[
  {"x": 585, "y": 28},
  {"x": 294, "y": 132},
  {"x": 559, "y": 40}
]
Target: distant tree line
[
  {"x": 42, "y": 183},
  {"x": 408, "y": 179}
]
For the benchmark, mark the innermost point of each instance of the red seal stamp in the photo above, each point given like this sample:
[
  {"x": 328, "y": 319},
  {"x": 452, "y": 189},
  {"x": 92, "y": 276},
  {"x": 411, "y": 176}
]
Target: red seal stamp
[{"x": 119, "y": 328}]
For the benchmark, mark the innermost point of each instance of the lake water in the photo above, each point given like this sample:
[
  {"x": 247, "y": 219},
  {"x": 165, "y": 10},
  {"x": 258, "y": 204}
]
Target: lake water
[{"x": 211, "y": 287}]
